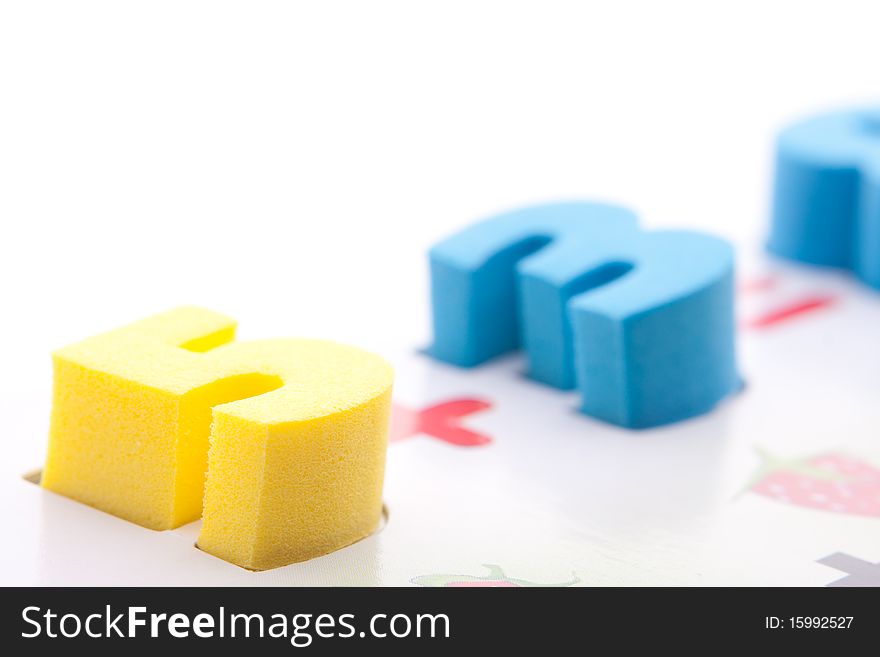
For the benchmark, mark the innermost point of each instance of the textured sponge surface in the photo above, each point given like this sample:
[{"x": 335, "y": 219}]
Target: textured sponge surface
[
  {"x": 640, "y": 321},
  {"x": 826, "y": 192},
  {"x": 296, "y": 431}
]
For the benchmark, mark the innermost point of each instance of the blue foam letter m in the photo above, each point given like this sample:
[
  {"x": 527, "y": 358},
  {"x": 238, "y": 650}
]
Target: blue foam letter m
[{"x": 642, "y": 322}]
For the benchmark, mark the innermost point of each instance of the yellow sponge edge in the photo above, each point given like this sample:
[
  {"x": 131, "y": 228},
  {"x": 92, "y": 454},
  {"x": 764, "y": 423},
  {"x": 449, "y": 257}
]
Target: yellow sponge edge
[{"x": 297, "y": 432}]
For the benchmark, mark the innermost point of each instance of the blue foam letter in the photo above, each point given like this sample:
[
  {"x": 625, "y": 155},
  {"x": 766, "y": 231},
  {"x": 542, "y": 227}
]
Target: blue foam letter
[
  {"x": 826, "y": 202},
  {"x": 641, "y": 322}
]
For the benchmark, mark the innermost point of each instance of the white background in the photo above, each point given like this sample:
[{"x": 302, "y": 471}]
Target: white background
[{"x": 289, "y": 163}]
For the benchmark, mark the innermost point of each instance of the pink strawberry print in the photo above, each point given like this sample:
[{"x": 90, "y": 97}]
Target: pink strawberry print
[{"x": 827, "y": 482}]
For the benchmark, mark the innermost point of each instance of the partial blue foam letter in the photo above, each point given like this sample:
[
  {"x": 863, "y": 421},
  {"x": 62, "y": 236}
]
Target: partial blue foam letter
[
  {"x": 826, "y": 198},
  {"x": 641, "y": 322}
]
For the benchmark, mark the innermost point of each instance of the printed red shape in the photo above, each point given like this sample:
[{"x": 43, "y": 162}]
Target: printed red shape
[
  {"x": 757, "y": 284},
  {"x": 440, "y": 421},
  {"x": 788, "y": 311}
]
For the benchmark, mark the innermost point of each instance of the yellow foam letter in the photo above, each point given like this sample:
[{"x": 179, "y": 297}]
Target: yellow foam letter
[{"x": 297, "y": 432}]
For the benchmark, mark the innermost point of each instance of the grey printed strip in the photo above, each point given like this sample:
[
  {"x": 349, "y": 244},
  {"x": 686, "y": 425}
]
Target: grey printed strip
[{"x": 859, "y": 572}]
